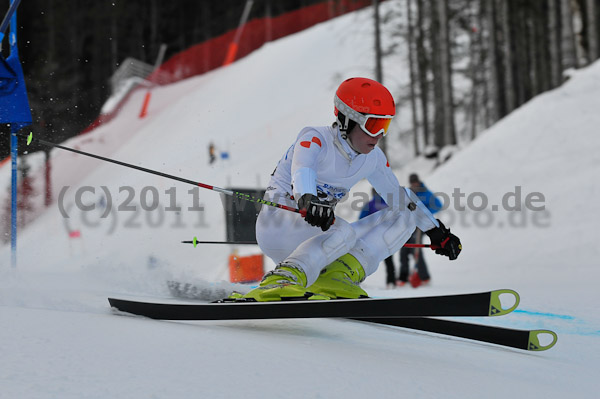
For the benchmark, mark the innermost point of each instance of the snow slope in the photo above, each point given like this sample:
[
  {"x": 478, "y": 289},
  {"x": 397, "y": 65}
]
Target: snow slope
[{"x": 60, "y": 339}]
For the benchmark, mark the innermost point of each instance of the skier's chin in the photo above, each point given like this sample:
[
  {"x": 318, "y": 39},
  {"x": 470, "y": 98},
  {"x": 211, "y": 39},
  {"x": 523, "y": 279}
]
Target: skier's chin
[{"x": 369, "y": 148}]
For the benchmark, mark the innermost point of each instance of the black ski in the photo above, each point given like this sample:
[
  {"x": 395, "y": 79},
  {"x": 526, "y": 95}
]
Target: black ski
[
  {"x": 477, "y": 304},
  {"x": 520, "y": 339}
]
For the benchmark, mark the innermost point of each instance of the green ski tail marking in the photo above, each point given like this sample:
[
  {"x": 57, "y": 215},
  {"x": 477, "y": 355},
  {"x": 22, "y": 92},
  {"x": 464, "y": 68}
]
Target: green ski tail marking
[
  {"x": 495, "y": 305},
  {"x": 534, "y": 341},
  {"x": 29, "y": 138},
  {"x": 195, "y": 242}
]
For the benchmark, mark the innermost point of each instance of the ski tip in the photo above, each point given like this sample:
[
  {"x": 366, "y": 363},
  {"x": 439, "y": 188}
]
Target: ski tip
[
  {"x": 113, "y": 302},
  {"x": 534, "y": 343},
  {"x": 29, "y": 138},
  {"x": 496, "y": 308}
]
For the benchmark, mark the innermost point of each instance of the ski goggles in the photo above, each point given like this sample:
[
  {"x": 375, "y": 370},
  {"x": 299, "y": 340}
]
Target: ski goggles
[{"x": 373, "y": 125}]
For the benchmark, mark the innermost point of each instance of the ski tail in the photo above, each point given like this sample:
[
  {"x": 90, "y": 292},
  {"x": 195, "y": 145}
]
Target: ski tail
[{"x": 530, "y": 340}]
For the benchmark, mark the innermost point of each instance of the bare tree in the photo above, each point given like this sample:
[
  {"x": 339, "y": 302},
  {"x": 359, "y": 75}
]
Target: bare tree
[
  {"x": 446, "y": 75},
  {"x": 591, "y": 29},
  {"x": 413, "y": 77},
  {"x": 492, "y": 62},
  {"x": 443, "y": 122},
  {"x": 554, "y": 29},
  {"x": 483, "y": 61},
  {"x": 474, "y": 67},
  {"x": 378, "y": 56},
  {"x": 507, "y": 57},
  {"x": 423, "y": 69},
  {"x": 436, "y": 71},
  {"x": 570, "y": 59}
]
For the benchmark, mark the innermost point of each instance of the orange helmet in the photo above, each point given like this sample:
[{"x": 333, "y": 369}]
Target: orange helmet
[{"x": 366, "y": 102}]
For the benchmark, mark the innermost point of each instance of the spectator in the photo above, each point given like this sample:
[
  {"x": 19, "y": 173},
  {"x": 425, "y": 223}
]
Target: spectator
[
  {"x": 211, "y": 154},
  {"x": 421, "y": 274}
]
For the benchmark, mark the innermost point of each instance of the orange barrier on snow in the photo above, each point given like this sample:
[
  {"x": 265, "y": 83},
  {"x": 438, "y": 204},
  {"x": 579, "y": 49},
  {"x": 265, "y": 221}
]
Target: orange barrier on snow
[
  {"x": 245, "y": 269},
  {"x": 231, "y": 53},
  {"x": 144, "y": 110}
]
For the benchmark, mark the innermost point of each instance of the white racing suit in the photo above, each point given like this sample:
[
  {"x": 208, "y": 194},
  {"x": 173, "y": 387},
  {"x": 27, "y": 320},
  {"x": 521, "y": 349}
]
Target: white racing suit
[{"x": 321, "y": 163}]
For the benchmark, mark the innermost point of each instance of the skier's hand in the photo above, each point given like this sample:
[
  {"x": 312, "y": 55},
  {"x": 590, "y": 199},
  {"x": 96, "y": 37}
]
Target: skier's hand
[
  {"x": 316, "y": 212},
  {"x": 444, "y": 242}
]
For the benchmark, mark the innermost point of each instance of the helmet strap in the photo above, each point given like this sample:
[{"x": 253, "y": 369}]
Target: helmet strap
[
  {"x": 343, "y": 121},
  {"x": 346, "y": 125}
]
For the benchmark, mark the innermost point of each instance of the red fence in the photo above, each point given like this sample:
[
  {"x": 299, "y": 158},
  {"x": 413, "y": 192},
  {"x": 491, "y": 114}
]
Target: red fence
[{"x": 212, "y": 53}]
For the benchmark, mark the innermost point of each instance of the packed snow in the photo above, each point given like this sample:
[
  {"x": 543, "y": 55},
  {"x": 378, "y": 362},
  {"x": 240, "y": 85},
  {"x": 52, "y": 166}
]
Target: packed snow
[{"x": 60, "y": 339}]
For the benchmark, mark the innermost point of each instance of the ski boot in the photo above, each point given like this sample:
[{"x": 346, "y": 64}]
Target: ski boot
[
  {"x": 286, "y": 282},
  {"x": 340, "y": 279}
]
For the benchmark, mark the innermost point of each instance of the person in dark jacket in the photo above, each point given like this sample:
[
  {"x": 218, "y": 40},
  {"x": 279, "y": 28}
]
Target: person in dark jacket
[{"x": 421, "y": 274}]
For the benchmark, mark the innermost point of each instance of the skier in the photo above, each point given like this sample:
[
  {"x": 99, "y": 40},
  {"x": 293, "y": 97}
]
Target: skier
[
  {"x": 319, "y": 256},
  {"x": 421, "y": 274}
]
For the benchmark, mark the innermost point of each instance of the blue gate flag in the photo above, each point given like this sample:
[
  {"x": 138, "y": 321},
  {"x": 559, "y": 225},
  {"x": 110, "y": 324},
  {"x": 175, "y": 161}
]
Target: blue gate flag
[
  {"x": 14, "y": 104},
  {"x": 14, "y": 109}
]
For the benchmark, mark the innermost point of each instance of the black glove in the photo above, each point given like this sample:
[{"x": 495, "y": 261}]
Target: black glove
[
  {"x": 444, "y": 242},
  {"x": 316, "y": 212}
]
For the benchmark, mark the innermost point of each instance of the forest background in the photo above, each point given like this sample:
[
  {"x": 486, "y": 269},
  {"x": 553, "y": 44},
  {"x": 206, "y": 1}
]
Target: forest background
[{"x": 510, "y": 51}]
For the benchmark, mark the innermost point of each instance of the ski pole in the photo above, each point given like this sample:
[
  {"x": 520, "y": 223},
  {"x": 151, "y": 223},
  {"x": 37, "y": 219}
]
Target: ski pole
[
  {"x": 239, "y": 195},
  {"x": 11, "y": 10},
  {"x": 420, "y": 246},
  {"x": 195, "y": 242}
]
